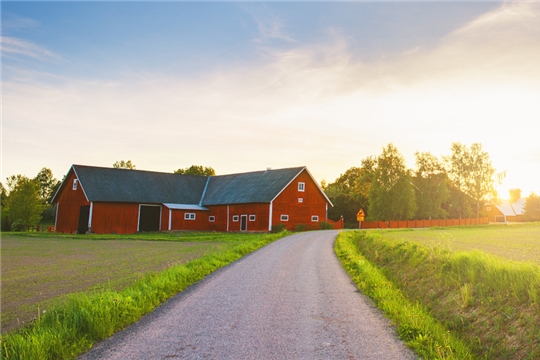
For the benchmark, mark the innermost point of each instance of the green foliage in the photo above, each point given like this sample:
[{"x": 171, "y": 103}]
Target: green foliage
[
  {"x": 532, "y": 208},
  {"x": 323, "y": 225},
  {"x": 391, "y": 195},
  {"x": 431, "y": 187},
  {"x": 197, "y": 170},
  {"x": 124, "y": 165},
  {"x": 279, "y": 228},
  {"x": 72, "y": 326},
  {"x": 24, "y": 205},
  {"x": 471, "y": 172},
  {"x": 48, "y": 184},
  {"x": 300, "y": 227},
  {"x": 476, "y": 296},
  {"x": 415, "y": 325}
]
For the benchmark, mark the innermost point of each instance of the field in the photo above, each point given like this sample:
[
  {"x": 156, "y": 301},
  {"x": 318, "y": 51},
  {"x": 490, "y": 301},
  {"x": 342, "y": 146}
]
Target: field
[
  {"x": 472, "y": 291},
  {"x": 38, "y": 269},
  {"x": 520, "y": 242}
]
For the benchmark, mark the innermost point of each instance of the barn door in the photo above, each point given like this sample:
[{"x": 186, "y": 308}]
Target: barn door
[
  {"x": 149, "y": 217},
  {"x": 243, "y": 223},
  {"x": 84, "y": 215}
]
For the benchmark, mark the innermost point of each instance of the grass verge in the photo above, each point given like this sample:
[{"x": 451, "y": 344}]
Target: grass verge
[
  {"x": 415, "y": 326},
  {"x": 73, "y": 325},
  {"x": 490, "y": 303}
]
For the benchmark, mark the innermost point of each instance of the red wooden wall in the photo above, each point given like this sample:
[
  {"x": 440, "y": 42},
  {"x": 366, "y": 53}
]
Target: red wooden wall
[
  {"x": 69, "y": 204},
  {"x": 287, "y": 203},
  {"x": 120, "y": 218}
]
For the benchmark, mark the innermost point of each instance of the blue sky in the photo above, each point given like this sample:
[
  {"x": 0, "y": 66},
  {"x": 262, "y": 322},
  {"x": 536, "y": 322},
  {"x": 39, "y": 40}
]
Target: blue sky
[{"x": 242, "y": 86}]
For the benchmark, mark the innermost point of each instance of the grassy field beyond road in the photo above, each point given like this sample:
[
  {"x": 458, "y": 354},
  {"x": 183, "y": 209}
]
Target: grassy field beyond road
[
  {"x": 468, "y": 279},
  {"x": 36, "y": 270}
]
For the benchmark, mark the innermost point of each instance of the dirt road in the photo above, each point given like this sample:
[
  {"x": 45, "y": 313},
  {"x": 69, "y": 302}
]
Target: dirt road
[{"x": 289, "y": 300}]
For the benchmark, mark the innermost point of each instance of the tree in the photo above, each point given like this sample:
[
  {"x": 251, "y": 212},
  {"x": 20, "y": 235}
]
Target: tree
[
  {"x": 4, "y": 220},
  {"x": 471, "y": 172},
  {"x": 431, "y": 187},
  {"x": 531, "y": 211},
  {"x": 48, "y": 184},
  {"x": 391, "y": 195},
  {"x": 124, "y": 165},
  {"x": 24, "y": 204},
  {"x": 197, "y": 170}
]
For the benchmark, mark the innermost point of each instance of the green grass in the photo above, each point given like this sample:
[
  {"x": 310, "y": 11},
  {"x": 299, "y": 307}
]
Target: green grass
[
  {"x": 489, "y": 302},
  {"x": 71, "y": 325}
]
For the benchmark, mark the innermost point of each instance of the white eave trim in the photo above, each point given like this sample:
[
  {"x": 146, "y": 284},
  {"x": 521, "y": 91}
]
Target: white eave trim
[
  {"x": 204, "y": 191},
  {"x": 312, "y": 178},
  {"x": 185, "y": 207}
]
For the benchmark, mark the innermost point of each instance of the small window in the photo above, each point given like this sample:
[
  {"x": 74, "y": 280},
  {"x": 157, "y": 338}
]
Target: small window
[
  {"x": 75, "y": 183},
  {"x": 189, "y": 216},
  {"x": 301, "y": 186},
  {"x": 251, "y": 217},
  {"x": 235, "y": 218},
  {"x": 211, "y": 218},
  {"x": 488, "y": 208},
  {"x": 284, "y": 218},
  {"x": 315, "y": 218},
  {"x": 300, "y": 200}
]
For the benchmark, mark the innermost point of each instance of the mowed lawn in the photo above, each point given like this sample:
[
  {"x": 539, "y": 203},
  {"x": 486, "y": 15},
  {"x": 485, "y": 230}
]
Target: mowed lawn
[
  {"x": 37, "y": 270},
  {"x": 519, "y": 242}
]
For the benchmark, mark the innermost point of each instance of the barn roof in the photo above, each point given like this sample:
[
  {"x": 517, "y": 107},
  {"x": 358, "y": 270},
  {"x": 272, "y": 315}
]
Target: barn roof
[
  {"x": 512, "y": 209},
  {"x": 252, "y": 187},
  {"x": 122, "y": 185}
]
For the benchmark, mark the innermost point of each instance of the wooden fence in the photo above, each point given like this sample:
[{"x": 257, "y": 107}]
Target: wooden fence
[{"x": 400, "y": 224}]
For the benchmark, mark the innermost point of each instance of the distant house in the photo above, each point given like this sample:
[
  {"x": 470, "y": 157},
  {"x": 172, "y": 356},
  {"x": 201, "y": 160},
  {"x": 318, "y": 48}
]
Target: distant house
[
  {"x": 510, "y": 210},
  {"x": 107, "y": 200}
]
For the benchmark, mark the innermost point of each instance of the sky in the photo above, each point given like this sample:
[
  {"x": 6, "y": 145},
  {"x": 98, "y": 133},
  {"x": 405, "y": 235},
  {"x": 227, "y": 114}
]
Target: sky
[{"x": 245, "y": 86}]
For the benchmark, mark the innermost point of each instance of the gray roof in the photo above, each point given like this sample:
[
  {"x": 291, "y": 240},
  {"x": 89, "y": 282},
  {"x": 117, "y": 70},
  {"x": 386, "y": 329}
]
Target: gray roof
[
  {"x": 122, "y": 185},
  {"x": 252, "y": 187}
]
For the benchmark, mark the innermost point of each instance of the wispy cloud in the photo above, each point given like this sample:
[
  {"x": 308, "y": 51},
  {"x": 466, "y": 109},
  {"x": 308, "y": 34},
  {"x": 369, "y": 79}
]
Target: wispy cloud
[
  {"x": 271, "y": 26},
  {"x": 13, "y": 47}
]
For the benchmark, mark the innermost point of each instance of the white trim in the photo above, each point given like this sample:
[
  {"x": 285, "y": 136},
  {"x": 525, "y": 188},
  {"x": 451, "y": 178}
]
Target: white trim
[
  {"x": 80, "y": 183},
  {"x": 284, "y": 217},
  {"x": 190, "y": 216},
  {"x": 237, "y": 217},
  {"x": 326, "y": 215},
  {"x": 212, "y": 218},
  {"x": 302, "y": 185},
  {"x": 254, "y": 218},
  {"x": 90, "y": 216},
  {"x": 241, "y": 217},
  {"x": 56, "y": 218},
  {"x": 314, "y": 218},
  {"x": 204, "y": 191},
  {"x": 300, "y": 200},
  {"x": 270, "y": 217},
  {"x": 75, "y": 184},
  {"x": 170, "y": 219},
  {"x": 289, "y": 183},
  {"x": 312, "y": 178}
]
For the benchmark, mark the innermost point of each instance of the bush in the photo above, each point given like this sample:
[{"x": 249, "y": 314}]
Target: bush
[
  {"x": 300, "y": 227},
  {"x": 323, "y": 225},
  {"x": 279, "y": 228}
]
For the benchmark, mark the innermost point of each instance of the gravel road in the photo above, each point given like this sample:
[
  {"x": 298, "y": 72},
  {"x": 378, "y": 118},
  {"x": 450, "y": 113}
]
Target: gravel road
[{"x": 288, "y": 300}]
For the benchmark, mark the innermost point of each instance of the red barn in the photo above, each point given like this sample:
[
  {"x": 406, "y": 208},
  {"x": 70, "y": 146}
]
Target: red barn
[{"x": 105, "y": 200}]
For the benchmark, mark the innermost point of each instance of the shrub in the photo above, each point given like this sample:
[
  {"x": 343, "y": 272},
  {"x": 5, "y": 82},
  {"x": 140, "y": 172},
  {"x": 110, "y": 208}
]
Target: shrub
[
  {"x": 279, "y": 228},
  {"x": 300, "y": 227},
  {"x": 324, "y": 225}
]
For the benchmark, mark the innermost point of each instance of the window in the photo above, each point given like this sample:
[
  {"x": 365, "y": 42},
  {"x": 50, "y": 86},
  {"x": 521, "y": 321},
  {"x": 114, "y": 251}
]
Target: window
[
  {"x": 488, "y": 208},
  {"x": 315, "y": 218},
  {"x": 189, "y": 216},
  {"x": 301, "y": 186},
  {"x": 251, "y": 217},
  {"x": 211, "y": 218},
  {"x": 300, "y": 200},
  {"x": 75, "y": 183},
  {"x": 284, "y": 217},
  {"x": 235, "y": 218}
]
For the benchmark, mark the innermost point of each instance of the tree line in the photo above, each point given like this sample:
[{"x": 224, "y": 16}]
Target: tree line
[{"x": 453, "y": 186}]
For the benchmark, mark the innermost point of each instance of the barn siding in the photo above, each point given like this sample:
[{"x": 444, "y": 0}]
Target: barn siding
[
  {"x": 69, "y": 204},
  {"x": 179, "y": 223},
  {"x": 287, "y": 203},
  {"x": 119, "y": 218}
]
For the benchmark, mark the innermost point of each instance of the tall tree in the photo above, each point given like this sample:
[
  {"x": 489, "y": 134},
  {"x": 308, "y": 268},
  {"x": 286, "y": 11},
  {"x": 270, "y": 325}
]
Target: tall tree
[
  {"x": 48, "y": 184},
  {"x": 124, "y": 165},
  {"x": 532, "y": 208},
  {"x": 471, "y": 172},
  {"x": 24, "y": 204},
  {"x": 391, "y": 195},
  {"x": 197, "y": 170},
  {"x": 431, "y": 187}
]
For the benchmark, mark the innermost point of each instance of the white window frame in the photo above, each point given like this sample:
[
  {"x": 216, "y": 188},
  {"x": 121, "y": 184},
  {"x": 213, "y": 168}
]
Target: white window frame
[
  {"x": 252, "y": 218},
  {"x": 236, "y": 218},
  {"x": 315, "y": 218},
  {"x": 190, "y": 216},
  {"x": 284, "y": 217},
  {"x": 301, "y": 186},
  {"x": 300, "y": 200},
  {"x": 211, "y": 218},
  {"x": 75, "y": 184}
]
